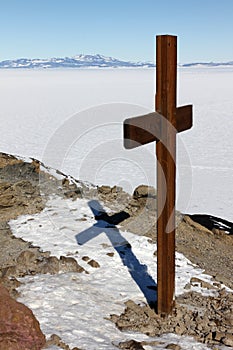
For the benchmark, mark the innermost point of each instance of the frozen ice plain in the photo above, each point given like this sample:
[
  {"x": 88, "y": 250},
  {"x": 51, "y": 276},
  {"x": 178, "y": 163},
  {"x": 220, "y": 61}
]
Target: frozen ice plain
[{"x": 72, "y": 120}]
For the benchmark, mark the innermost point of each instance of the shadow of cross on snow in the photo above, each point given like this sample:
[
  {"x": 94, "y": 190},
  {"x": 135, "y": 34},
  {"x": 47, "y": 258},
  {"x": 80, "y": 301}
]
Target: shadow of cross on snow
[{"x": 107, "y": 224}]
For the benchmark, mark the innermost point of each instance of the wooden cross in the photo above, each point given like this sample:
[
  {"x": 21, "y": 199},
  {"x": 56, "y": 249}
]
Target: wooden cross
[{"x": 162, "y": 126}]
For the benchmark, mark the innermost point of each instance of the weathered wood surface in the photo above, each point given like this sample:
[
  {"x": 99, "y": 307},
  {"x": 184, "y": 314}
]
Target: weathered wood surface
[
  {"x": 147, "y": 128},
  {"x": 162, "y": 126}
]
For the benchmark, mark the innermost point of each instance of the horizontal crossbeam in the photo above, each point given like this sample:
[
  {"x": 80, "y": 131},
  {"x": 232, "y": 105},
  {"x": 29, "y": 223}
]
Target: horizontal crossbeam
[
  {"x": 142, "y": 130},
  {"x": 184, "y": 118},
  {"x": 147, "y": 128}
]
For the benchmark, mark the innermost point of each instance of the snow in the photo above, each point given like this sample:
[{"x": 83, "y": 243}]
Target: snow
[
  {"x": 72, "y": 120},
  {"x": 76, "y": 306}
]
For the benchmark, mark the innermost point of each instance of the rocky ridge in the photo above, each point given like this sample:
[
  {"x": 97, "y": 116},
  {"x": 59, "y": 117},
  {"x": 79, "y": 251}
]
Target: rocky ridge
[{"x": 24, "y": 189}]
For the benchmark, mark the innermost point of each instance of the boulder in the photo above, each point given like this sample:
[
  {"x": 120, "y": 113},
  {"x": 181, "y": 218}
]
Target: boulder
[
  {"x": 19, "y": 328},
  {"x": 144, "y": 191}
]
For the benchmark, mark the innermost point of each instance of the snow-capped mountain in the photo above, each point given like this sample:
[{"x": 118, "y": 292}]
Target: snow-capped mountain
[
  {"x": 93, "y": 61},
  {"x": 78, "y": 61}
]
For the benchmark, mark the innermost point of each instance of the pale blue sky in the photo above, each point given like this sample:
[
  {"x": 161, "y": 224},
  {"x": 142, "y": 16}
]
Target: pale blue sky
[{"x": 124, "y": 29}]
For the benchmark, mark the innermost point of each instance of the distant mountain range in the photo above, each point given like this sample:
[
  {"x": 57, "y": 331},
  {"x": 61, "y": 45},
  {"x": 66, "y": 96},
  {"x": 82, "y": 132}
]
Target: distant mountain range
[
  {"x": 91, "y": 61},
  {"x": 79, "y": 61},
  {"x": 208, "y": 64}
]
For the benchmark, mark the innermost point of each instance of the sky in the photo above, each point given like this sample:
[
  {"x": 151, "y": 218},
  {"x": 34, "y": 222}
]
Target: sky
[{"x": 123, "y": 29}]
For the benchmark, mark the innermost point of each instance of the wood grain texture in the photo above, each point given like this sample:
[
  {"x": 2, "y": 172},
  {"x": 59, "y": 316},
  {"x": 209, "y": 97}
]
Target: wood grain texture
[
  {"x": 147, "y": 128},
  {"x": 166, "y": 71},
  {"x": 142, "y": 130}
]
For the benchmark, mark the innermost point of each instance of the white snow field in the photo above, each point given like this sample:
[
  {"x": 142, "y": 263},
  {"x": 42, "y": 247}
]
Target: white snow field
[
  {"x": 76, "y": 306},
  {"x": 72, "y": 120}
]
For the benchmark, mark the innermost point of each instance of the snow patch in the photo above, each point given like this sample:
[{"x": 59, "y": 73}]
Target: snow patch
[{"x": 76, "y": 306}]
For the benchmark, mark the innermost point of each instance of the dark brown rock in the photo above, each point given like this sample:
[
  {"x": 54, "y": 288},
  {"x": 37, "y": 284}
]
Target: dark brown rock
[
  {"x": 131, "y": 345},
  {"x": 85, "y": 258},
  {"x": 110, "y": 254},
  {"x": 19, "y": 328},
  {"x": 94, "y": 263}
]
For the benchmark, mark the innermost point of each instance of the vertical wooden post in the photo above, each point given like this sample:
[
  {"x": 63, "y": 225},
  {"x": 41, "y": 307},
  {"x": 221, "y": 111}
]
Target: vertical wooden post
[
  {"x": 166, "y": 76},
  {"x": 162, "y": 127}
]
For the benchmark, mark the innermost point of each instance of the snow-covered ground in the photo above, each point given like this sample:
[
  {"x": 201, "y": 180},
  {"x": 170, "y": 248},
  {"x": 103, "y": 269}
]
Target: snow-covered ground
[
  {"x": 76, "y": 306},
  {"x": 72, "y": 119}
]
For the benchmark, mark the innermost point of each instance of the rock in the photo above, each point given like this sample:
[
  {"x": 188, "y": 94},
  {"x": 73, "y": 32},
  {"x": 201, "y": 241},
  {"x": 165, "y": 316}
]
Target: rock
[
  {"x": 205, "y": 318},
  {"x": 19, "y": 328},
  {"x": 24, "y": 188},
  {"x": 218, "y": 232},
  {"x": 93, "y": 263},
  {"x": 218, "y": 336},
  {"x": 85, "y": 258},
  {"x": 229, "y": 319},
  {"x": 110, "y": 254},
  {"x": 131, "y": 345},
  {"x": 68, "y": 264},
  {"x": 7, "y": 159},
  {"x": 132, "y": 306},
  {"x": 196, "y": 281},
  {"x": 26, "y": 257},
  {"x": 11, "y": 284},
  {"x": 117, "y": 189},
  {"x": 144, "y": 197},
  {"x": 173, "y": 347},
  {"x": 187, "y": 286},
  {"x": 36, "y": 165},
  {"x": 20, "y": 197},
  {"x": 134, "y": 204},
  {"x": 104, "y": 189},
  {"x": 144, "y": 191},
  {"x": 49, "y": 265},
  {"x": 56, "y": 340},
  {"x": 7, "y": 200},
  {"x": 71, "y": 190},
  {"x": 208, "y": 337},
  {"x": 228, "y": 340},
  {"x": 54, "y": 265},
  {"x": 29, "y": 262},
  {"x": 180, "y": 329}
]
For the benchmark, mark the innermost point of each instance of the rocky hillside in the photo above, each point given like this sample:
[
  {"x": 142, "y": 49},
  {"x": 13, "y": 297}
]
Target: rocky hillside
[{"x": 25, "y": 188}]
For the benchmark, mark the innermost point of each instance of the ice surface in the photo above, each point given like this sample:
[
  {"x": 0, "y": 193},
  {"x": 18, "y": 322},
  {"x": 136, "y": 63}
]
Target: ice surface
[{"x": 66, "y": 118}]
